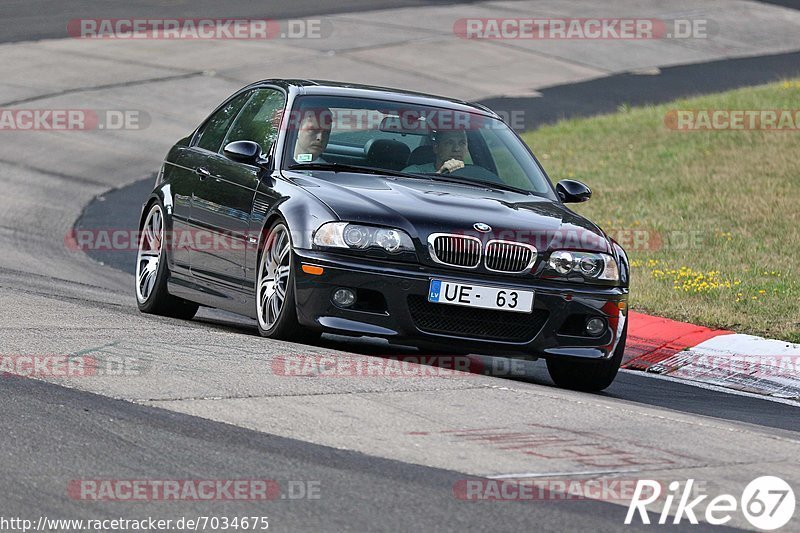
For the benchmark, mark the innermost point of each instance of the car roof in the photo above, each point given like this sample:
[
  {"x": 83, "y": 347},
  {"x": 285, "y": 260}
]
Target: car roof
[{"x": 335, "y": 88}]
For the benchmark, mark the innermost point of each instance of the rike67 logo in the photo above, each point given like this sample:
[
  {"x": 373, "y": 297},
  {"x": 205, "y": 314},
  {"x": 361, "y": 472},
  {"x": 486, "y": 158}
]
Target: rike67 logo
[{"x": 767, "y": 503}]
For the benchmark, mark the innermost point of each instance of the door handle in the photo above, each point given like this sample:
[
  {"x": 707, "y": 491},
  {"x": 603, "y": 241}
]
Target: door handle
[{"x": 203, "y": 172}]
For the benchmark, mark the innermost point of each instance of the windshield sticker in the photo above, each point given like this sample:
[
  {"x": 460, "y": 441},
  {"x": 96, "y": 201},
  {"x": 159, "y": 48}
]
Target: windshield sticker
[{"x": 304, "y": 158}]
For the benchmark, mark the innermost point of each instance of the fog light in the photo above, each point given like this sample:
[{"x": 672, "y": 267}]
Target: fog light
[
  {"x": 344, "y": 297},
  {"x": 595, "y": 326}
]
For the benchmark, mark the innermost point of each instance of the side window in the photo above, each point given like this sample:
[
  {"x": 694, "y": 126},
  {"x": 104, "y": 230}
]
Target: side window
[
  {"x": 259, "y": 120},
  {"x": 214, "y": 130}
]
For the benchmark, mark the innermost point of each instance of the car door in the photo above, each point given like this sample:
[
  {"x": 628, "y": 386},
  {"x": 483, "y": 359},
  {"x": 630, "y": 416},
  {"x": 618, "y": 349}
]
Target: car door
[
  {"x": 184, "y": 178},
  {"x": 223, "y": 197}
]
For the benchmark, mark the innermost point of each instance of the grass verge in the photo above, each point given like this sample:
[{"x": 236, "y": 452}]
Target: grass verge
[{"x": 710, "y": 219}]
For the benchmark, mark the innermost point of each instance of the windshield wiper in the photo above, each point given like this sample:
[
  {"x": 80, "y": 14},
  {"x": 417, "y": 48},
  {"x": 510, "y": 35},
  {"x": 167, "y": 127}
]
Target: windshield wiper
[
  {"x": 342, "y": 167},
  {"x": 477, "y": 183}
]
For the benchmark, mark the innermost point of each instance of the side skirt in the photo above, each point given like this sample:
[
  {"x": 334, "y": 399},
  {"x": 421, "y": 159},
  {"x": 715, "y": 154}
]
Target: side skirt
[{"x": 208, "y": 293}]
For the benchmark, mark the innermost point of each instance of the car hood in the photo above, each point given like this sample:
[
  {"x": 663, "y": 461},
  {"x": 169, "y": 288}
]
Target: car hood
[{"x": 422, "y": 207}]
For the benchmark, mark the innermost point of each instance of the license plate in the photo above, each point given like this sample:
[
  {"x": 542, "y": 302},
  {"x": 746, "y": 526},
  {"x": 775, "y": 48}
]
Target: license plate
[{"x": 485, "y": 297}]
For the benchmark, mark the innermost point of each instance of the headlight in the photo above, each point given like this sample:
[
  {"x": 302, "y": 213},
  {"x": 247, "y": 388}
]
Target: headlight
[
  {"x": 358, "y": 237},
  {"x": 589, "y": 265}
]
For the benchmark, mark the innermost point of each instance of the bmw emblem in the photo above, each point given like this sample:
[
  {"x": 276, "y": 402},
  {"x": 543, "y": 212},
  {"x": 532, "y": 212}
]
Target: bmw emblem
[{"x": 480, "y": 226}]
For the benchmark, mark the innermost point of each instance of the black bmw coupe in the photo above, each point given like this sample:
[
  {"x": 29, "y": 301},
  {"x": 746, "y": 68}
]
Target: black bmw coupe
[{"x": 317, "y": 207}]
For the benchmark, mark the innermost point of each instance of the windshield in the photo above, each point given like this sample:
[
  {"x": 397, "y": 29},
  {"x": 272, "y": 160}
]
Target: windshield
[{"x": 437, "y": 143}]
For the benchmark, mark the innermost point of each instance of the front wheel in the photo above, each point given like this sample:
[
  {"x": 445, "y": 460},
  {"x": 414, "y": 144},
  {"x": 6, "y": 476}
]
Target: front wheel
[
  {"x": 152, "y": 271},
  {"x": 275, "y": 302},
  {"x": 588, "y": 376}
]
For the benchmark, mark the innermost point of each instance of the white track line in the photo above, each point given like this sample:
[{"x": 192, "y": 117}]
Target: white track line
[{"x": 562, "y": 474}]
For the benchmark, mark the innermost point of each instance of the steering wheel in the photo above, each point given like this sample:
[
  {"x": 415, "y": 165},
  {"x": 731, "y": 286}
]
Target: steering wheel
[{"x": 476, "y": 172}]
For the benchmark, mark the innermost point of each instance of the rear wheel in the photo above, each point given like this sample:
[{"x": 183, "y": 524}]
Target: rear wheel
[
  {"x": 152, "y": 271},
  {"x": 588, "y": 376}
]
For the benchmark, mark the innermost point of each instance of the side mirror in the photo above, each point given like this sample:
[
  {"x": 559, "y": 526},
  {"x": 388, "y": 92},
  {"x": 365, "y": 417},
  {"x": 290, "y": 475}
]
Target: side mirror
[
  {"x": 248, "y": 152},
  {"x": 573, "y": 191}
]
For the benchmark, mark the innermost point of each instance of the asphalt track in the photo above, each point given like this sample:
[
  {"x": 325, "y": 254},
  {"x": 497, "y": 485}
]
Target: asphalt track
[
  {"x": 25, "y": 20},
  {"x": 606, "y": 95},
  {"x": 357, "y": 492},
  {"x": 357, "y": 439},
  {"x": 120, "y": 208},
  {"x": 29, "y": 20}
]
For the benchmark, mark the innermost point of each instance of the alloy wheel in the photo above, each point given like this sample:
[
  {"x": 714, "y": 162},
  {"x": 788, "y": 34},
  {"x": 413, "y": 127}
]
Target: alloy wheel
[{"x": 273, "y": 277}]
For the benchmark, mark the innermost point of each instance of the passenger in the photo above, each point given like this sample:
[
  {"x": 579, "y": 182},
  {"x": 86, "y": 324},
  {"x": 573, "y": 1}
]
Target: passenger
[
  {"x": 449, "y": 148},
  {"x": 313, "y": 133}
]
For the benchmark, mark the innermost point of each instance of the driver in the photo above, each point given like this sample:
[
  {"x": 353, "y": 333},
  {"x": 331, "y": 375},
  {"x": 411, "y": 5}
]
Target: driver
[
  {"x": 313, "y": 133},
  {"x": 449, "y": 148}
]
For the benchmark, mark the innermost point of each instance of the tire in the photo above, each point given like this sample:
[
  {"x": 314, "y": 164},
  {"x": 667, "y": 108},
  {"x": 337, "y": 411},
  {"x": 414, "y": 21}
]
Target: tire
[
  {"x": 276, "y": 309},
  {"x": 152, "y": 271},
  {"x": 588, "y": 376}
]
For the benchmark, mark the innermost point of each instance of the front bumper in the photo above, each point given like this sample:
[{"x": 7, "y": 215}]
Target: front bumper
[{"x": 405, "y": 286}]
